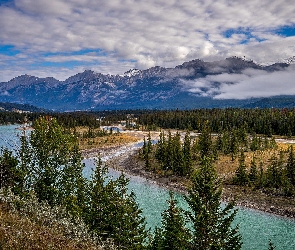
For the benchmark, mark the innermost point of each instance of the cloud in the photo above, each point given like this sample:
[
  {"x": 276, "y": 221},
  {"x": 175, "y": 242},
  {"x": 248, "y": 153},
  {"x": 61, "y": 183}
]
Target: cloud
[
  {"x": 250, "y": 84},
  {"x": 146, "y": 33}
]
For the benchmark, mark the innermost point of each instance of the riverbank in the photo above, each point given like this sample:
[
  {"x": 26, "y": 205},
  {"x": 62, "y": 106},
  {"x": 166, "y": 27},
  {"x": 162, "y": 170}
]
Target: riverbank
[{"x": 125, "y": 158}]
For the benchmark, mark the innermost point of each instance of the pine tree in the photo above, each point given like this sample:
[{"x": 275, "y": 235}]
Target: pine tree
[
  {"x": 253, "y": 173},
  {"x": 177, "y": 155},
  {"x": 205, "y": 142},
  {"x": 9, "y": 173},
  {"x": 241, "y": 177},
  {"x": 172, "y": 234},
  {"x": 254, "y": 145},
  {"x": 274, "y": 173},
  {"x": 113, "y": 212},
  {"x": 161, "y": 148},
  {"x": 146, "y": 151},
  {"x": 187, "y": 166},
  {"x": 233, "y": 145},
  {"x": 290, "y": 166},
  {"x": 211, "y": 223}
]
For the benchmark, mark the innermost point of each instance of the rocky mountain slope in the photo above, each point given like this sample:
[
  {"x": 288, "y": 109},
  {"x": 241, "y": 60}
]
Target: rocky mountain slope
[{"x": 156, "y": 87}]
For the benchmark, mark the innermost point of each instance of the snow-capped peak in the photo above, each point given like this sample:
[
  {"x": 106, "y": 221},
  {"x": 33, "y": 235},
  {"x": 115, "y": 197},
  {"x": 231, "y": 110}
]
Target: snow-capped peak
[{"x": 132, "y": 72}]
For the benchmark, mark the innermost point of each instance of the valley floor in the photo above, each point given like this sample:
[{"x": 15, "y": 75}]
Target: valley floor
[{"x": 124, "y": 157}]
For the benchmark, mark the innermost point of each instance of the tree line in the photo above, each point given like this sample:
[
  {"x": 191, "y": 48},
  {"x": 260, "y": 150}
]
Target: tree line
[
  {"x": 260, "y": 121},
  {"x": 176, "y": 155}
]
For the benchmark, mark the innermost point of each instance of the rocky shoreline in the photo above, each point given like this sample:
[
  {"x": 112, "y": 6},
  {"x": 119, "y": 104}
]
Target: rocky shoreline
[{"x": 126, "y": 161}]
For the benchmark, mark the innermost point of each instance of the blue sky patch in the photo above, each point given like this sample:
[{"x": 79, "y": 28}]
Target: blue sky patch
[
  {"x": 8, "y": 50},
  {"x": 247, "y": 32},
  {"x": 286, "y": 31}
]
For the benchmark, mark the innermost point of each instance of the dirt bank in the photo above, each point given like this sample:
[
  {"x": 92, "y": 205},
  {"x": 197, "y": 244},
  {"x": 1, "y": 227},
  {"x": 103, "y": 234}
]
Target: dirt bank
[{"x": 124, "y": 158}]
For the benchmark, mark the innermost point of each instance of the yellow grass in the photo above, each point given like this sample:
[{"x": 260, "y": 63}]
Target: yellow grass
[
  {"x": 19, "y": 232},
  {"x": 226, "y": 168},
  {"x": 106, "y": 141}
]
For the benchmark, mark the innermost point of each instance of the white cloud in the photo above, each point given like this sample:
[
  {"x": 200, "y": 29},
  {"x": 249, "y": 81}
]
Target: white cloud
[
  {"x": 146, "y": 33},
  {"x": 249, "y": 84}
]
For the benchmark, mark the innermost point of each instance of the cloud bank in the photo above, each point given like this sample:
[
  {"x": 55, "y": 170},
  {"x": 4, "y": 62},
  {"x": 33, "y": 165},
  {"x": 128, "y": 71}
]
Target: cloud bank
[
  {"x": 249, "y": 84},
  {"x": 61, "y": 37}
]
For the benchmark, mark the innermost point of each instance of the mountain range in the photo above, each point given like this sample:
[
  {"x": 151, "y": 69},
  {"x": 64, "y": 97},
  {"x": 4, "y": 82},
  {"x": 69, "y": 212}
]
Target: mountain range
[{"x": 154, "y": 88}]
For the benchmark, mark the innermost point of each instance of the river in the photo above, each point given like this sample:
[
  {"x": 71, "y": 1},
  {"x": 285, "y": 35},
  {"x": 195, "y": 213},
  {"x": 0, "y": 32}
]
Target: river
[{"x": 256, "y": 227}]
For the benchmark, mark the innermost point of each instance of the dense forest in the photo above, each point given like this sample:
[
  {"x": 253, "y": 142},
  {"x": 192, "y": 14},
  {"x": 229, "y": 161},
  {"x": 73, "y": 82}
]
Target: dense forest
[{"x": 260, "y": 121}]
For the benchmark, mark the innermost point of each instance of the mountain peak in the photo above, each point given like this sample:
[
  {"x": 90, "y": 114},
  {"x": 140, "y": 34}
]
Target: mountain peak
[
  {"x": 157, "y": 87},
  {"x": 132, "y": 72}
]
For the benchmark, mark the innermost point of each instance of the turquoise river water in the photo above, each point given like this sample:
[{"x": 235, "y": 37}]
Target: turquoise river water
[{"x": 256, "y": 227}]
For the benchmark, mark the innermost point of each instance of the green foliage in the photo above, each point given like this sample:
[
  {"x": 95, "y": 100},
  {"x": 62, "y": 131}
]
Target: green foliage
[
  {"x": 253, "y": 173},
  {"x": 113, "y": 212},
  {"x": 146, "y": 151},
  {"x": 173, "y": 233},
  {"x": 290, "y": 166},
  {"x": 9, "y": 174},
  {"x": 172, "y": 155},
  {"x": 27, "y": 223},
  {"x": 205, "y": 142},
  {"x": 241, "y": 177},
  {"x": 51, "y": 161},
  {"x": 211, "y": 223}
]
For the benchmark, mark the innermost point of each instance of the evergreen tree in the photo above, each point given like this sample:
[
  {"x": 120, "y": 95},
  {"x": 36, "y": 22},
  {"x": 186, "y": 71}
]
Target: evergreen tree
[
  {"x": 146, "y": 151},
  {"x": 211, "y": 223},
  {"x": 113, "y": 212},
  {"x": 233, "y": 145},
  {"x": 173, "y": 234},
  {"x": 225, "y": 142},
  {"x": 241, "y": 177},
  {"x": 161, "y": 148},
  {"x": 9, "y": 174},
  {"x": 290, "y": 166},
  {"x": 168, "y": 154},
  {"x": 177, "y": 155},
  {"x": 187, "y": 166},
  {"x": 253, "y": 174},
  {"x": 205, "y": 142},
  {"x": 274, "y": 173},
  {"x": 255, "y": 145}
]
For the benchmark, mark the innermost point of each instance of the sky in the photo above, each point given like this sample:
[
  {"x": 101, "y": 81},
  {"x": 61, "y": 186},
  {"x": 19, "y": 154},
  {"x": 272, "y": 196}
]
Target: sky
[{"x": 60, "y": 38}]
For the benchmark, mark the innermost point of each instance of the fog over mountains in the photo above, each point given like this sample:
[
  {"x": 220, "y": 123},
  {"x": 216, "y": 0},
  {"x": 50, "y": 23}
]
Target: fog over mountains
[{"x": 233, "y": 82}]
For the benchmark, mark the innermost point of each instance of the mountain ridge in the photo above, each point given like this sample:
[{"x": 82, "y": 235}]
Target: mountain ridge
[{"x": 156, "y": 87}]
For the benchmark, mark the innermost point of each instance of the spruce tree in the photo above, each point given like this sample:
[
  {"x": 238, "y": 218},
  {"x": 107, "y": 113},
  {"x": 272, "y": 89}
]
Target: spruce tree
[
  {"x": 113, "y": 212},
  {"x": 187, "y": 166},
  {"x": 9, "y": 174},
  {"x": 253, "y": 173},
  {"x": 233, "y": 145},
  {"x": 173, "y": 233},
  {"x": 205, "y": 142},
  {"x": 241, "y": 177},
  {"x": 177, "y": 155},
  {"x": 290, "y": 166},
  {"x": 212, "y": 224}
]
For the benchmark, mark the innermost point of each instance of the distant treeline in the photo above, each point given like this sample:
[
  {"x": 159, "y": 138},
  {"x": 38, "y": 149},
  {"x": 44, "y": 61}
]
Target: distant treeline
[{"x": 261, "y": 121}]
